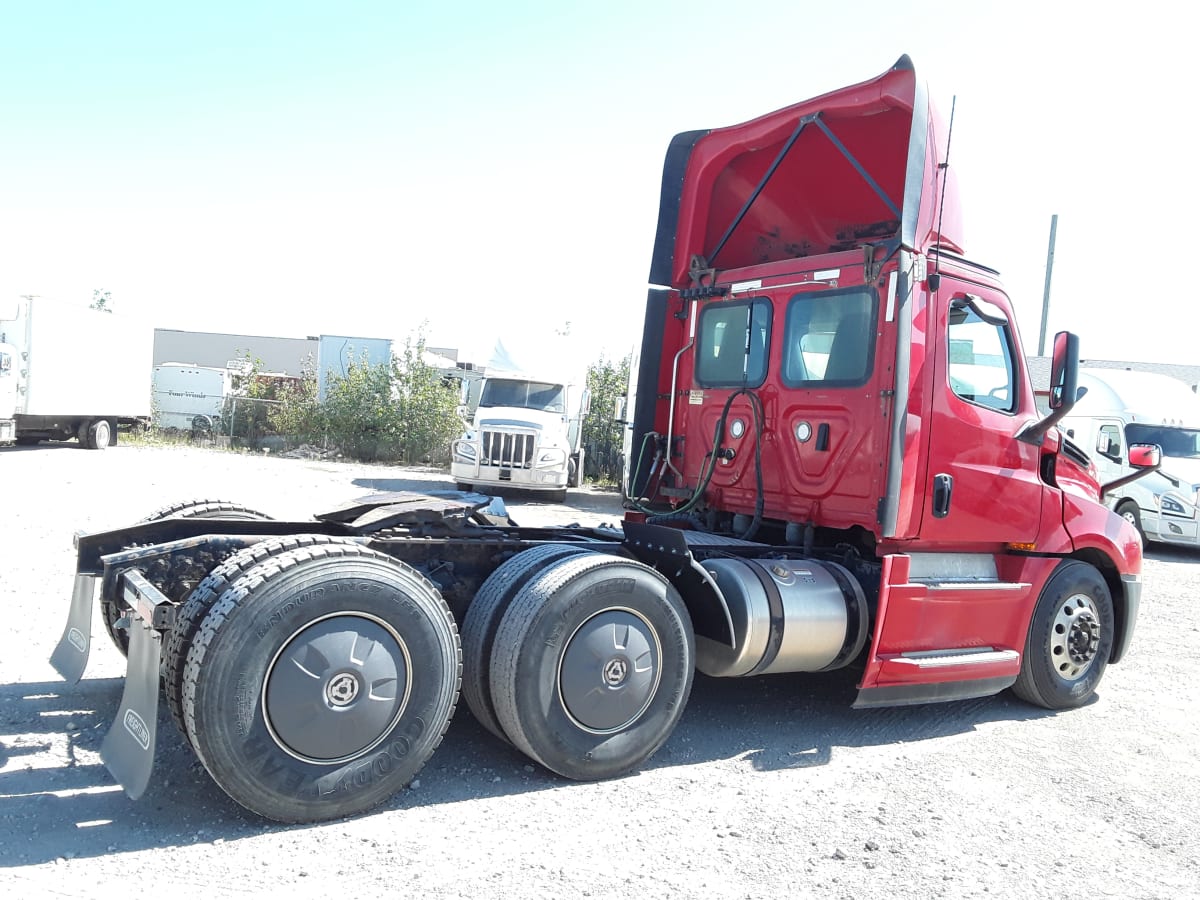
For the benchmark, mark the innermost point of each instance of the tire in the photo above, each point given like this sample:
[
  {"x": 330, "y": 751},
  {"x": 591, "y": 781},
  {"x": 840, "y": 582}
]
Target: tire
[
  {"x": 463, "y": 486},
  {"x": 99, "y": 434},
  {"x": 1131, "y": 513},
  {"x": 320, "y": 682},
  {"x": 557, "y": 496},
  {"x": 1070, "y": 639},
  {"x": 206, "y": 509},
  {"x": 27, "y": 441},
  {"x": 482, "y": 621},
  {"x": 191, "y": 612},
  {"x": 111, "y": 612},
  {"x": 592, "y": 622}
]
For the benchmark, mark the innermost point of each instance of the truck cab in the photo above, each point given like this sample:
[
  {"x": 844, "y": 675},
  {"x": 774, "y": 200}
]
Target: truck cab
[
  {"x": 824, "y": 370},
  {"x": 525, "y": 432},
  {"x": 1122, "y": 411}
]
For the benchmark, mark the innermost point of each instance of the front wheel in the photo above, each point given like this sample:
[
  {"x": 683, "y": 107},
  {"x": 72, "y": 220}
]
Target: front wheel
[
  {"x": 1070, "y": 639},
  {"x": 1131, "y": 513},
  {"x": 592, "y": 666},
  {"x": 320, "y": 682}
]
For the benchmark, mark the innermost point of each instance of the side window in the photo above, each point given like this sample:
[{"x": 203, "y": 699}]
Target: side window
[
  {"x": 731, "y": 348},
  {"x": 982, "y": 367},
  {"x": 1108, "y": 441},
  {"x": 829, "y": 338}
]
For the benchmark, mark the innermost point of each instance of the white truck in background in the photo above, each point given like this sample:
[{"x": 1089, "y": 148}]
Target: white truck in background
[
  {"x": 190, "y": 398},
  {"x": 1124, "y": 409},
  {"x": 71, "y": 372},
  {"x": 526, "y": 430}
]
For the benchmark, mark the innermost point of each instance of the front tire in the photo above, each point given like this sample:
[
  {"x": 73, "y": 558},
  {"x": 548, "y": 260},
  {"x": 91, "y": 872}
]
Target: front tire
[
  {"x": 1132, "y": 513},
  {"x": 1070, "y": 639},
  {"x": 592, "y": 666},
  {"x": 320, "y": 682}
]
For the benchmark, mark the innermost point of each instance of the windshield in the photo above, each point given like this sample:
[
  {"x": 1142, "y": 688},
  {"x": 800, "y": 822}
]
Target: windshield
[
  {"x": 523, "y": 394},
  {"x": 1182, "y": 443}
]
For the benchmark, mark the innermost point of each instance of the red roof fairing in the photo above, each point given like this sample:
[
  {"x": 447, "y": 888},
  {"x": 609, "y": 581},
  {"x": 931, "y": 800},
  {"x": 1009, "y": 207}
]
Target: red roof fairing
[{"x": 861, "y": 167}]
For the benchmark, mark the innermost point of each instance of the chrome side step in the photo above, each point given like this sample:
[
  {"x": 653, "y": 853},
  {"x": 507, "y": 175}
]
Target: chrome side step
[{"x": 936, "y": 659}]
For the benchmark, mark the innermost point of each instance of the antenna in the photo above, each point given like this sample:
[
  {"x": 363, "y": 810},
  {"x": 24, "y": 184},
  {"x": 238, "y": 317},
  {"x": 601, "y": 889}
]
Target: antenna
[{"x": 944, "y": 165}]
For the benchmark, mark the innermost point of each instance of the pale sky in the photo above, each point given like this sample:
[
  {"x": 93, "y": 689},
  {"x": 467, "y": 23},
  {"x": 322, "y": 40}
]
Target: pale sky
[{"x": 295, "y": 168}]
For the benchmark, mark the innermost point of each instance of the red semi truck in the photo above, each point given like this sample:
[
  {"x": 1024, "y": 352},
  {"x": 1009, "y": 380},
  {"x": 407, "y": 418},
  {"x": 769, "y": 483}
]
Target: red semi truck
[{"x": 836, "y": 460}]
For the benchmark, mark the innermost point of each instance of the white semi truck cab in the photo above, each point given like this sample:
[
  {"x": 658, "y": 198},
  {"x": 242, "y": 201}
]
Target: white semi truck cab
[
  {"x": 525, "y": 433},
  {"x": 1123, "y": 410}
]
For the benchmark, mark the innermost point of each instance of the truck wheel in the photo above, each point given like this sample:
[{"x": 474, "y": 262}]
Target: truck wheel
[
  {"x": 557, "y": 496},
  {"x": 592, "y": 666},
  {"x": 320, "y": 682},
  {"x": 111, "y": 612},
  {"x": 1131, "y": 513},
  {"x": 483, "y": 620},
  {"x": 1070, "y": 638},
  {"x": 206, "y": 509},
  {"x": 575, "y": 472},
  {"x": 192, "y": 611},
  {"x": 463, "y": 486},
  {"x": 99, "y": 435}
]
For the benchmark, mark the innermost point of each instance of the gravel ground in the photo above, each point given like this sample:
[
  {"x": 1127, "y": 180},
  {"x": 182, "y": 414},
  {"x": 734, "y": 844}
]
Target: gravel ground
[{"x": 770, "y": 787}]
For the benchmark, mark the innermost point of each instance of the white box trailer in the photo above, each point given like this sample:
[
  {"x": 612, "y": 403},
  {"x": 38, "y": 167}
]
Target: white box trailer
[
  {"x": 190, "y": 398},
  {"x": 71, "y": 372},
  {"x": 1123, "y": 409}
]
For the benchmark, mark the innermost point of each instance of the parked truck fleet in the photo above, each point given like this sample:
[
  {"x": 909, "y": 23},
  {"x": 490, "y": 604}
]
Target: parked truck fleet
[
  {"x": 71, "y": 373},
  {"x": 836, "y": 461}
]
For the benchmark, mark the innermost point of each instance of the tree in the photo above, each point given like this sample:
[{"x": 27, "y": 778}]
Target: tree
[
  {"x": 101, "y": 300},
  {"x": 603, "y": 434}
]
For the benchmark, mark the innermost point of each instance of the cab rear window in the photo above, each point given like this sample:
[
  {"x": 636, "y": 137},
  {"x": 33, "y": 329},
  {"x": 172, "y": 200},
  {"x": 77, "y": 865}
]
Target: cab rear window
[{"x": 732, "y": 343}]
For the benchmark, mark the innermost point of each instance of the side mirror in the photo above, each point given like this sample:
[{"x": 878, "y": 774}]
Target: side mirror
[
  {"x": 619, "y": 409},
  {"x": 1145, "y": 456},
  {"x": 1064, "y": 387},
  {"x": 1064, "y": 372}
]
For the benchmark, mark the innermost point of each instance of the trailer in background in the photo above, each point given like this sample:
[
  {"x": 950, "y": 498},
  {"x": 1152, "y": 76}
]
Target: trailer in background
[
  {"x": 71, "y": 372},
  {"x": 190, "y": 398}
]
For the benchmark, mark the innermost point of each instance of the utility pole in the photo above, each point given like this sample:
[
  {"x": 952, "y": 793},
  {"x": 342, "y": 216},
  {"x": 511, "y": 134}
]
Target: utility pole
[{"x": 1046, "y": 292}]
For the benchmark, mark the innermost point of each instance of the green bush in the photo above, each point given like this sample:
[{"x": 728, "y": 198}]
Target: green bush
[{"x": 403, "y": 411}]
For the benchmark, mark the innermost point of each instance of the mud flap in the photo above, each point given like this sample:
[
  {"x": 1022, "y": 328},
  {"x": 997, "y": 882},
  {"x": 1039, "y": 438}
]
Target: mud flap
[
  {"x": 70, "y": 657},
  {"x": 128, "y": 748}
]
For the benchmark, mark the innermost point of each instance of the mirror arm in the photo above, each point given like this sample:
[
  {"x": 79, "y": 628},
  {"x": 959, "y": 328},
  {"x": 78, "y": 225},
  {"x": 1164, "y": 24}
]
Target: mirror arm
[
  {"x": 1035, "y": 432},
  {"x": 1105, "y": 489}
]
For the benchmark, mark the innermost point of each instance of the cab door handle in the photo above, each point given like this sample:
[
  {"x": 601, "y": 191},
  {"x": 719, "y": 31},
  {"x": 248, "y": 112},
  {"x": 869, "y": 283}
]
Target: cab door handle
[{"x": 943, "y": 487}]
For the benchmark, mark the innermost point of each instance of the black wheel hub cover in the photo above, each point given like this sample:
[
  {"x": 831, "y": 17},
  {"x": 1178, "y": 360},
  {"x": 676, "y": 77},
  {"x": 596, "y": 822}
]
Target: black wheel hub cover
[{"x": 336, "y": 688}]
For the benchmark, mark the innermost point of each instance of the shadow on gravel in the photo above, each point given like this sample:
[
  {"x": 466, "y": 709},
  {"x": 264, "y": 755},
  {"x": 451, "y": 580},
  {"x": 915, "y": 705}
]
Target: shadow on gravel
[
  {"x": 1170, "y": 554},
  {"x": 49, "y": 810}
]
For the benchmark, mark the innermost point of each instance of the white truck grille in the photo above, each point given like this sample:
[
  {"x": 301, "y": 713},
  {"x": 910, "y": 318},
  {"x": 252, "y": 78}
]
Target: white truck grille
[{"x": 507, "y": 450}]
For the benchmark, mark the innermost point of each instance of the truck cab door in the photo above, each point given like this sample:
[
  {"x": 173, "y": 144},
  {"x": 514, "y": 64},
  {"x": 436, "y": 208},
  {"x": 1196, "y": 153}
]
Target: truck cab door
[{"x": 983, "y": 485}]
